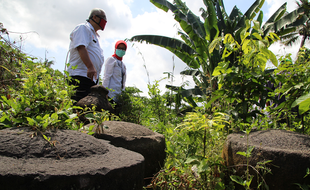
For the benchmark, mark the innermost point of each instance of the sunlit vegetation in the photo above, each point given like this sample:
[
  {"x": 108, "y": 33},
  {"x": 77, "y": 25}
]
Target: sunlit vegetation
[{"x": 226, "y": 57}]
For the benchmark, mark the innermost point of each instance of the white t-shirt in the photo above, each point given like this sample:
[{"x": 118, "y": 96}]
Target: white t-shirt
[
  {"x": 84, "y": 34},
  {"x": 114, "y": 76}
]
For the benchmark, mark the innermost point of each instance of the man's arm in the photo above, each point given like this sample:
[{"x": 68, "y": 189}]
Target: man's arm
[{"x": 91, "y": 71}]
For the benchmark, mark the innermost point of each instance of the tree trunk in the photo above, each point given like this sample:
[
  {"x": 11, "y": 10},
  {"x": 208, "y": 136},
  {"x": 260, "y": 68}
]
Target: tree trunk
[{"x": 303, "y": 40}]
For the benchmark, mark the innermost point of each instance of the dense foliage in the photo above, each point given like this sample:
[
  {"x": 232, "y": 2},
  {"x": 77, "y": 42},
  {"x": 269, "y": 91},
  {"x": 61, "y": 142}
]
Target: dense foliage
[
  {"x": 201, "y": 35},
  {"x": 195, "y": 128},
  {"x": 226, "y": 55},
  {"x": 32, "y": 93}
]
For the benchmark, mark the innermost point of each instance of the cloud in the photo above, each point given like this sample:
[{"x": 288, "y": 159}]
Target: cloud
[{"x": 54, "y": 20}]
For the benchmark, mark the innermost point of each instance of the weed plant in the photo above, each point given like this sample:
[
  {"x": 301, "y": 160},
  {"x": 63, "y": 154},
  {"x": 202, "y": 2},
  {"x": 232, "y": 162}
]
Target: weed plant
[{"x": 42, "y": 102}]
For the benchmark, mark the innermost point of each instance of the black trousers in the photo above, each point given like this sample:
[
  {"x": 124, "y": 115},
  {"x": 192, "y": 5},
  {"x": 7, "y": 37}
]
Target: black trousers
[{"x": 83, "y": 87}]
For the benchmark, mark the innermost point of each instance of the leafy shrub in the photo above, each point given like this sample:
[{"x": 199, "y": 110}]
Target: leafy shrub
[
  {"x": 131, "y": 105},
  {"x": 10, "y": 59},
  {"x": 43, "y": 101},
  {"x": 32, "y": 94}
]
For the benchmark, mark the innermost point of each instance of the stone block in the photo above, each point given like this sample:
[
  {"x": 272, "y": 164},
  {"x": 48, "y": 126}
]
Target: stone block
[
  {"x": 69, "y": 160},
  {"x": 289, "y": 152}
]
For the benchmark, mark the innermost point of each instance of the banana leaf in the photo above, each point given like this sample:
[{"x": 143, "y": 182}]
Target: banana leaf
[
  {"x": 164, "y": 5},
  {"x": 185, "y": 19},
  {"x": 211, "y": 21},
  {"x": 288, "y": 19},
  {"x": 220, "y": 14},
  {"x": 255, "y": 8},
  {"x": 250, "y": 13},
  {"x": 275, "y": 16},
  {"x": 187, "y": 96},
  {"x": 164, "y": 41},
  {"x": 190, "y": 72},
  {"x": 178, "y": 47}
]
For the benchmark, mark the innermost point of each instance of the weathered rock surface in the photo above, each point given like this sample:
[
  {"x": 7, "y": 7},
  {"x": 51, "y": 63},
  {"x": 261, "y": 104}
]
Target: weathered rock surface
[
  {"x": 289, "y": 152},
  {"x": 97, "y": 97},
  {"x": 75, "y": 161},
  {"x": 136, "y": 138}
]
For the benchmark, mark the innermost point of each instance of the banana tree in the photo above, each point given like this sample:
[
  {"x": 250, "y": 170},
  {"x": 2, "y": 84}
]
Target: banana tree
[{"x": 197, "y": 37}]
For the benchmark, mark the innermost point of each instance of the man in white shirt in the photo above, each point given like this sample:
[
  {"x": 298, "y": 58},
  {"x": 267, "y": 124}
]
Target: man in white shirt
[{"x": 86, "y": 55}]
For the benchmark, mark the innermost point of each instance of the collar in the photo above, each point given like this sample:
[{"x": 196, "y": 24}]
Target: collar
[
  {"x": 91, "y": 28},
  {"x": 117, "y": 57}
]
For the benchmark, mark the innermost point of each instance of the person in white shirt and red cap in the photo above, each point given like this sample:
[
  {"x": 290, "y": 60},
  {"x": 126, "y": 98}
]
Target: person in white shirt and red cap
[
  {"x": 114, "y": 77},
  {"x": 86, "y": 56}
]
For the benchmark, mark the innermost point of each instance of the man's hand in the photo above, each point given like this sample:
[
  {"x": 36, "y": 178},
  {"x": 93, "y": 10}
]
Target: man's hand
[{"x": 91, "y": 71}]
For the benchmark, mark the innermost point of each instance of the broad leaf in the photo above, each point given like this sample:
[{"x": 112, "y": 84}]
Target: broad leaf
[
  {"x": 164, "y": 41},
  {"x": 211, "y": 21},
  {"x": 190, "y": 72},
  {"x": 288, "y": 19},
  {"x": 164, "y": 5},
  {"x": 178, "y": 47},
  {"x": 251, "y": 13},
  {"x": 276, "y": 16},
  {"x": 255, "y": 8},
  {"x": 303, "y": 102}
]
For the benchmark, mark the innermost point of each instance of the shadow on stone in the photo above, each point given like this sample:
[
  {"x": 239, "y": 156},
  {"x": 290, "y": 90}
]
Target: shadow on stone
[
  {"x": 289, "y": 152},
  {"x": 70, "y": 160}
]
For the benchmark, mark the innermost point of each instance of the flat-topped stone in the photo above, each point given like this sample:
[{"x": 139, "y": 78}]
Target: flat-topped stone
[
  {"x": 289, "y": 152},
  {"x": 126, "y": 130},
  {"x": 70, "y": 160},
  {"x": 136, "y": 138},
  {"x": 26, "y": 143}
]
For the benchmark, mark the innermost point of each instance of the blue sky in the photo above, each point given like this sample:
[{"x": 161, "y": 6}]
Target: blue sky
[{"x": 45, "y": 26}]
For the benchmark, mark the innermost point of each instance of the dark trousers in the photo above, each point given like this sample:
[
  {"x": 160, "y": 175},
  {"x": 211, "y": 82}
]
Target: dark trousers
[{"x": 83, "y": 87}]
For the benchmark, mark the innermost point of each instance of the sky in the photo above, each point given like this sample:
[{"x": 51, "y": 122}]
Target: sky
[{"x": 41, "y": 28}]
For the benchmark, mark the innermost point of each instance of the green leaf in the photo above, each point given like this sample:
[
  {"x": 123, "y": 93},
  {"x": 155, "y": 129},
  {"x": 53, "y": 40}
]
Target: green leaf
[
  {"x": 212, "y": 100},
  {"x": 190, "y": 72},
  {"x": 215, "y": 44},
  {"x": 255, "y": 8},
  {"x": 46, "y": 138},
  {"x": 260, "y": 18},
  {"x": 164, "y": 41},
  {"x": 273, "y": 58},
  {"x": 31, "y": 121},
  {"x": 178, "y": 47},
  {"x": 54, "y": 116},
  {"x": 221, "y": 14},
  {"x": 288, "y": 19},
  {"x": 211, "y": 21},
  {"x": 303, "y": 102},
  {"x": 237, "y": 179},
  {"x": 258, "y": 36},
  {"x": 242, "y": 154},
  {"x": 164, "y": 5},
  {"x": 203, "y": 166},
  {"x": 248, "y": 183},
  {"x": 220, "y": 69},
  {"x": 192, "y": 161},
  {"x": 275, "y": 17}
]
